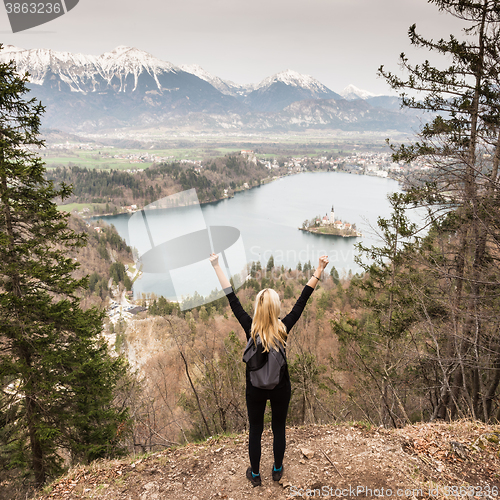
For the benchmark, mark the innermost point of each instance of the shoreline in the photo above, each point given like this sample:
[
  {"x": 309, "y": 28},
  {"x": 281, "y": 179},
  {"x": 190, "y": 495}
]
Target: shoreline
[
  {"x": 96, "y": 217},
  {"x": 307, "y": 230},
  {"x": 271, "y": 179}
]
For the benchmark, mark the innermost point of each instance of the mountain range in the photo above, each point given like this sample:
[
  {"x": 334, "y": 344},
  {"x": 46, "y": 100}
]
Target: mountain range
[{"x": 128, "y": 87}]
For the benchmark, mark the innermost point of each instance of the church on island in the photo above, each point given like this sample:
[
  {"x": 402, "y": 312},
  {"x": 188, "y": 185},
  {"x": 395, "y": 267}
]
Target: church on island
[
  {"x": 328, "y": 225},
  {"x": 329, "y": 220}
]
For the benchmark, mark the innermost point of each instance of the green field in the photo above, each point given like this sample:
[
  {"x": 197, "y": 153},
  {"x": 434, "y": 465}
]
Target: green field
[
  {"x": 203, "y": 147},
  {"x": 70, "y": 207},
  {"x": 105, "y": 161},
  {"x": 91, "y": 159}
]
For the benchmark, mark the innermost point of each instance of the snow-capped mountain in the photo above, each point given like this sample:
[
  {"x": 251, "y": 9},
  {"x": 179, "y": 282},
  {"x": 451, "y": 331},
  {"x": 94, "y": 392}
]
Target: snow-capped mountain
[
  {"x": 224, "y": 86},
  {"x": 294, "y": 79},
  {"x": 128, "y": 87},
  {"x": 120, "y": 69},
  {"x": 40, "y": 62},
  {"x": 351, "y": 92},
  {"x": 280, "y": 90},
  {"x": 119, "y": 88},
  {"x": 213, "y": 80},
  {"x": 124, "y": 62},
  {"x": 306, "y": 83}
]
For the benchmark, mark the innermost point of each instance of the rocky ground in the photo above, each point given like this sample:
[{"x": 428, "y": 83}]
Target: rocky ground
[{"x": 436, "y": 460}]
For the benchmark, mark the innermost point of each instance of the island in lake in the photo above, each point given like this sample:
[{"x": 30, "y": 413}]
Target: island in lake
[{"x": 328, "y": 226}]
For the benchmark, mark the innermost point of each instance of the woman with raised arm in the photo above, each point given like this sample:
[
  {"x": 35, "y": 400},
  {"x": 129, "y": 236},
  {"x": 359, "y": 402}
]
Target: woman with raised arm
[{"x": 273, "y": 333}]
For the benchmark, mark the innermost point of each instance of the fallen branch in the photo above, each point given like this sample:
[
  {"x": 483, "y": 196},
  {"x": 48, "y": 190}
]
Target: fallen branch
[{"x": 334, "y": 466}]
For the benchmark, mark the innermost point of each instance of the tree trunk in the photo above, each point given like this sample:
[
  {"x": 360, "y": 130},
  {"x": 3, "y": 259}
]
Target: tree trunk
[
  {"x": 32, "y": 410},
  {"x": 32, "y": 417},
  {"x": 492, "y": 390}
]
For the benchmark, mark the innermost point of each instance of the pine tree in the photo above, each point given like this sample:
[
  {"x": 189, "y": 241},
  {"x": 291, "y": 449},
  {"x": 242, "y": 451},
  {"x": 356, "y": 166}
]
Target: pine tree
[
  {"x": 335, "y": 275},
  {"x": 56, "y": 377},
  {"x": 270, "y": 264},
  {"x": 374, "y": 345},
  {"x": 460, "y": 256}
]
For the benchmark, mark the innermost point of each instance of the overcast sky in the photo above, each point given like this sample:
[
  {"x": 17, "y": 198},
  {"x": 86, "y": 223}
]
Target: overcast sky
[{"x": 338, "y": 42}]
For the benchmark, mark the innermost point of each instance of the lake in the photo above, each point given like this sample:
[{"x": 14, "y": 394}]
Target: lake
[{"x": 268, "y": 218}]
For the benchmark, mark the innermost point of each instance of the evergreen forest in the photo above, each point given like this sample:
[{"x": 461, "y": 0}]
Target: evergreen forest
[{"x": 110, "y": 191}]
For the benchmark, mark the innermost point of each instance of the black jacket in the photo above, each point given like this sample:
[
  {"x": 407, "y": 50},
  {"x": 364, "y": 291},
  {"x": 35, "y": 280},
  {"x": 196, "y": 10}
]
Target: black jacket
[{"x": 289, "y": 320}]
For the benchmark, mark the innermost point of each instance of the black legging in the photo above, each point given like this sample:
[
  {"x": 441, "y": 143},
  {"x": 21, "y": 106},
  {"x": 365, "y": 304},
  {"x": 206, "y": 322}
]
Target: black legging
[{"x": 256, "y": 406}]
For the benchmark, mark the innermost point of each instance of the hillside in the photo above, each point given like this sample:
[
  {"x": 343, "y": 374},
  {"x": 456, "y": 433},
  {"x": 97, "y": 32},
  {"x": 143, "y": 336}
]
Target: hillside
[
  {"x": 422, "y": 461},
  {"x": 112, "y": 190},
  {"x": 96, "y": 258}
]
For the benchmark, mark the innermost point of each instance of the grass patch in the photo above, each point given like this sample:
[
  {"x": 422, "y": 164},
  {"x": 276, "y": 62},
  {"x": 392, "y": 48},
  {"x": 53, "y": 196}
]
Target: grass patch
[
  {"x": 47, "y": 490},
  {"x": 70, "y": 207},
  {"x": 205, "y": 147},
  {"x": 363, "y": 424}
]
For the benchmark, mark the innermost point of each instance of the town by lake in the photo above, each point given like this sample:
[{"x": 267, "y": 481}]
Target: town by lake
[{"x": 269, "y": 217}]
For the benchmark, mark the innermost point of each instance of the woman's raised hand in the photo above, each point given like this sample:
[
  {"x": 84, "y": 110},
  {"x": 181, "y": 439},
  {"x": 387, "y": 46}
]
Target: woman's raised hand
[
  {"x": 214, "y": 259},
  {"x": 323, "y": 262}
]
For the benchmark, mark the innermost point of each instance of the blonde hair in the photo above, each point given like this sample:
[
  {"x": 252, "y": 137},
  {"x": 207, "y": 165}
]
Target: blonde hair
[{"x": 266, "y": 320}]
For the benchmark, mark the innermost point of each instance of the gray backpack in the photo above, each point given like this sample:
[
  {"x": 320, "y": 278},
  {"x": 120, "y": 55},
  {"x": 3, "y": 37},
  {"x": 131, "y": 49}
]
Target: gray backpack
[{"x": 266, "y": 368}]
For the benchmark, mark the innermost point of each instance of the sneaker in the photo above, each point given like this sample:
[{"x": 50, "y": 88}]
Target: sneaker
[
  {"x": 255, "y": 480},
  {"x": 277, "y": 473}
]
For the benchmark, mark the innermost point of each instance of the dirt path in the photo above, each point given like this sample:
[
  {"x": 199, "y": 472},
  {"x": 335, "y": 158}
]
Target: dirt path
[{"x": 341, "y": 462}]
